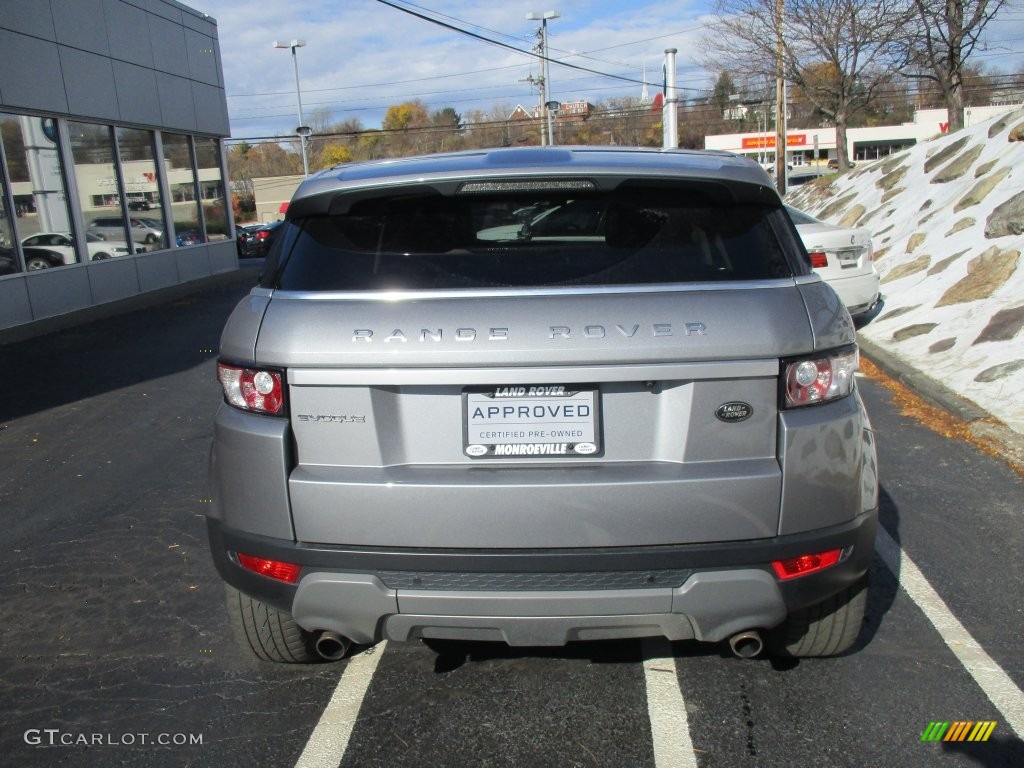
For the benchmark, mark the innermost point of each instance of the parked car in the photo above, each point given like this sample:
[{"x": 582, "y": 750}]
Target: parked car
[
  {"x": 833, "y": 164},
  {"x": 255, "y": 242},
  {"x": 139, "y": 204},
  {"x": 61, "y": 242},
  {"x": 42, "y": 258},
  {"x": 429, "y": 433},
  {"x": 143, "y": 230},
  {"x": 189, "y": 237},
  {"x": 844, "y": 257},
  {"x": 8, "y": 263}
]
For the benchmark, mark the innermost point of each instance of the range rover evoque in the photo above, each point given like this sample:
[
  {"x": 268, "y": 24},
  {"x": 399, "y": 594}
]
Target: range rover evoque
[{"x": 539, "y": 396}]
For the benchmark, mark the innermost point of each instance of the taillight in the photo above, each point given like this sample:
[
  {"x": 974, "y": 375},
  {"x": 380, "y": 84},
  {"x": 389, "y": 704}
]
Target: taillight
[
  {"x": 272, "y": 569},
  {"x": 792, "y": 567},
  {"x": 820, "y": 379},
  {"x": 818, "y": 259},
  {"x": 252, "y": 389},
  {"x": 262, "y": 235}
]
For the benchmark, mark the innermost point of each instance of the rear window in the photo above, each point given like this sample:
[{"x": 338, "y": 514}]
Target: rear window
[{"x": 426, "y": 240}]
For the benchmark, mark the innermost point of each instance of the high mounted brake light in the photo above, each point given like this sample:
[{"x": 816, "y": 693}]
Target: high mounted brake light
[{"x": 252, "y": 389}]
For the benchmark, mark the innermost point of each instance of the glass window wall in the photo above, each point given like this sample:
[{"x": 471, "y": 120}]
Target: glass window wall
[
  {"x": 211, "y": 186},
  {"x": 41, "y": 219},
  {"x": 142, "y": 188},
  {"x": 92, "y": 148},
  {"x": 181, "y": 181}
]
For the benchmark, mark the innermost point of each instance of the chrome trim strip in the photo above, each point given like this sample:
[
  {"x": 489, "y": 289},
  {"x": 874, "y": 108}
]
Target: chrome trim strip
[
  {"x": 409, "y": 295},
  {"x": 584, "y": 374}
]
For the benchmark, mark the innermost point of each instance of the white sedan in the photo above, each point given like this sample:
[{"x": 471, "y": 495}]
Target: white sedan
[
  {"x": 63, "y": 244},
  {"x": 844, "y": 258}
]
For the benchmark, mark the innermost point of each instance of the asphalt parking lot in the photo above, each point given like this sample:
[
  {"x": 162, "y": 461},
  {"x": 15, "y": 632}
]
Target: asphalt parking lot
[{"x": 115, "y": 648}]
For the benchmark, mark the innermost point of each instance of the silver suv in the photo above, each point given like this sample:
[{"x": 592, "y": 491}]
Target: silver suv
[{"x": 449, "y": 415}]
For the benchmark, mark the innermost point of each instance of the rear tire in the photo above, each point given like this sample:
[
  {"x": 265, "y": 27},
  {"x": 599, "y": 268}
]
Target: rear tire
[
  {"x": 268, "y": 633},
  {"x": 825, "y": 629}
]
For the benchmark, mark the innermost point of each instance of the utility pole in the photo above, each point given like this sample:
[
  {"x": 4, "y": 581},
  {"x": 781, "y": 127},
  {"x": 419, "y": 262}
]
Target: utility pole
[
  {"x": 780, "y": 103},
  {"x": 669, "y": 115},
  {"x": 538, "y": 81},
  {"x": 545, "y": 88}
]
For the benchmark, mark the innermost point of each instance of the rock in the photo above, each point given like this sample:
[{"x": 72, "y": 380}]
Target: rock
[
  {"x": 1007, "y": 219},
  {"x": 984, "y": 168},
  {"x": 999, "y": 125},
  {"x": 942, "y": 346},
  {"x": 891, "y": 179},
  {"x": 925, "y": 219},
  {"x": 919, "y": 264},
  {"x": 915, "y": 241},
  {"x": 958, "y": 167},
  {"x": 1004, "y": 325},
  {"x": 893, "y": 163},
  {"x": 985, "y": 275},
  {"x": 1000, "y": 371},
  {"x": 925, "y": 205},
  {"x": 835, "y": 207},
  {"x": 850, "y": 217},
  {"x": 1017, "y": 134},
  {"x": 920, "y": 329},
  {"x": 941, "y": 265},
  {"x": 883, "y": 231},
  {"x": 896, "y": 313},
  {"x": 944, "y": 154},
  {"x": 964, "y": 223},
  {"x": 980, "y": 190},
  {"x": 889, "y": 195},
  {"x": 881, "y": 253}
]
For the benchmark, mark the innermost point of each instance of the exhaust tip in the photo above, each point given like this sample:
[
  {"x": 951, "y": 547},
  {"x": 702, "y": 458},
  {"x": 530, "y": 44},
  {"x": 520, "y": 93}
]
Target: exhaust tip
[
  {"x": 746, "y": 645},
  {"x": 331, "y": 646}
]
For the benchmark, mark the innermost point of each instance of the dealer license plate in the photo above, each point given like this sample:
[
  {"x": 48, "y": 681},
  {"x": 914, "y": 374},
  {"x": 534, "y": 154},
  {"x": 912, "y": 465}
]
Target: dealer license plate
[{"x": 532, "y": 421}]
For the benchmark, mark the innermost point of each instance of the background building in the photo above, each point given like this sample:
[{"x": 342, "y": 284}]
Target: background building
[
  {"x": 805, "y": 145},
  {"x": 111, "y": 170}
]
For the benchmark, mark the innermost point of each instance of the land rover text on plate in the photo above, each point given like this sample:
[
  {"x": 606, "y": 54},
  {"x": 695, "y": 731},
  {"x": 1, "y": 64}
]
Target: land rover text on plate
[{"x": 541, "y": 395}]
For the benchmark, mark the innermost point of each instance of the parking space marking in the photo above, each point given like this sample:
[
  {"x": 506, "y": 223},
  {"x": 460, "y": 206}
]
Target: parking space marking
[
  {"x": 670, "y": 728},
  {"x": 329, "y": 740},
  {"x": 989, "y": 676}
]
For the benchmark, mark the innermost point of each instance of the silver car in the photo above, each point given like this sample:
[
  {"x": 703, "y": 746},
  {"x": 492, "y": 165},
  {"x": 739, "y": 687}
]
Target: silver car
[{"x": 644, "y": 421}]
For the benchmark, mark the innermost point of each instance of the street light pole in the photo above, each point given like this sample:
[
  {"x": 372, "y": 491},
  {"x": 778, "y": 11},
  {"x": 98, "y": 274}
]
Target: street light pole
[
  {"x": 546, "y": 98},
  {"x": 302, "y": 130}
]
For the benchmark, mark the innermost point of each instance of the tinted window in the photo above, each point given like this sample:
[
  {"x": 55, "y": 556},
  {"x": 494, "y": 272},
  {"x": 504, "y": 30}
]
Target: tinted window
[{"x": 429, "y": 241}]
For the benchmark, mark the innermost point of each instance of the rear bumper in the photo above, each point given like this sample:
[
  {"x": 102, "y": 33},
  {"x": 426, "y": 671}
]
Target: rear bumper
[
  {"x": 858, "y": 292},
  {"x": 545, "y": 597}
]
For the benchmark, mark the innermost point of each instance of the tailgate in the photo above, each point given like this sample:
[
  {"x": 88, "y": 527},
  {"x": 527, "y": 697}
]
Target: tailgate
[{"x": 542, "y": 421}]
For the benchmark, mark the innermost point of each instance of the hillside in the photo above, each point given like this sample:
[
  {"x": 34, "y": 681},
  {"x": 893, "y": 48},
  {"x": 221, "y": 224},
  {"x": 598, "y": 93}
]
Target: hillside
[{"x": 947, "y": 221}]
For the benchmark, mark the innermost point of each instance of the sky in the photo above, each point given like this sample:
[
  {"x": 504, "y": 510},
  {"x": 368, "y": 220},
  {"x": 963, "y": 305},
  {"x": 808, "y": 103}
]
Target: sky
[{"x": 362, "y": 56}]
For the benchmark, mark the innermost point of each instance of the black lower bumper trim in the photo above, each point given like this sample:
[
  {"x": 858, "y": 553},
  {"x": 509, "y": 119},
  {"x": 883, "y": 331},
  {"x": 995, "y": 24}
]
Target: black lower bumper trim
[{"x": 856, "y": 536}]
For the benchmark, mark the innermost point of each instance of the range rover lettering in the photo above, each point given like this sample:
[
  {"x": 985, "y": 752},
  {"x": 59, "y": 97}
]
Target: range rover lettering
[{"x": 629, "y": 411}]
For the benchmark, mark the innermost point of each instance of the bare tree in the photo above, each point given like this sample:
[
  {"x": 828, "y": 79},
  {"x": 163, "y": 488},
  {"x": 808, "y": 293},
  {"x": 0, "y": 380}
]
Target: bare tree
[
  {"x": 837, "y": 52},
  {"x": 941, "y": 41}
]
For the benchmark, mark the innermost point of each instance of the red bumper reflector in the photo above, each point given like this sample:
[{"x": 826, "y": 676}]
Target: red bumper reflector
[
  {"x": 818, "y": 259},
  {"x": 805, "y": 564},
  {"x": 274, "y": 569}
]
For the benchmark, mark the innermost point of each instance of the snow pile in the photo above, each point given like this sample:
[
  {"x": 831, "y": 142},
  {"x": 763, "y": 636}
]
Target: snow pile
[{"x": 947, "y": 221}]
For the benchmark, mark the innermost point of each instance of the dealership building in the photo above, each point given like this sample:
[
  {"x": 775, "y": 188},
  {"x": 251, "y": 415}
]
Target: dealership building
[{"x": 112, "y": 176}]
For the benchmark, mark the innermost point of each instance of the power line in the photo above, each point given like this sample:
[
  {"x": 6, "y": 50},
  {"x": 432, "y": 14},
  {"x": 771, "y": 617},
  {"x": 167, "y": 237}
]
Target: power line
[{"x": 491, "y": 41}]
